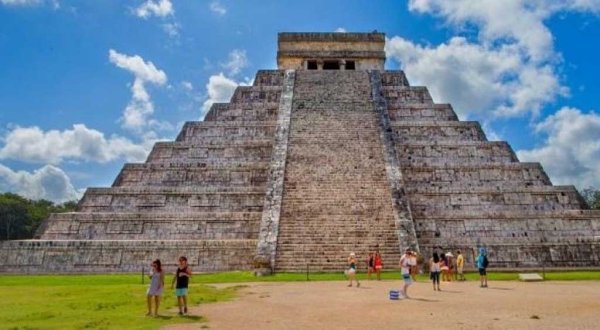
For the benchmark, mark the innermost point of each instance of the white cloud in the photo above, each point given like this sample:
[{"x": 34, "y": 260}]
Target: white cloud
[
  {"x": 54, "y": 3},
  {"x": 20, "y": 2},
  {"x": 187, "y": 85},
  {"x": 140, "y": 108},
  {"x": 478, "y": 78},
  {"x": 217, "y": 8},
  {"x": 340, "y": 30},
  {"x": 236, "y": 61},
  {"x": 510, "y": 69},
  {"x": 171, "y": 29},
  {"x": 160, "y": 8},
  {"x": 31, "y": 144},
  {"x": 49, "y": 182},
  {"x": 519, "y": 21},
  {"x": 219, "y": 89},
  {"x": 571, "y": 152}
]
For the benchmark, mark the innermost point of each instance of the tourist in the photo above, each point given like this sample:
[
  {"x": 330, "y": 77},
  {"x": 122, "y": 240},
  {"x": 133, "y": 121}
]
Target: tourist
[
  {"x": 444, "y": 266},
  {"x": 378, "y": 265},
  {"x": 182, "y": 278},
  {"x": 482, "y": 263},
  {"x": 405, "y": 262},
  {"x": 351, "y": 272},
  {"x": 451, "y": 266},
  {"x": 434, "y": 271},
  {"x": 370, "y": 265},
  {"x": 157, "y": 283},
  {"x": 414, "y": 268},
  {"x": 460, "y": 265}
]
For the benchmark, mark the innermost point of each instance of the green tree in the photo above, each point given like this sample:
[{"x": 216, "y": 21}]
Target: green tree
[
  {"x": 20, "y": 217},
  {"x": 592, "y": 197}
]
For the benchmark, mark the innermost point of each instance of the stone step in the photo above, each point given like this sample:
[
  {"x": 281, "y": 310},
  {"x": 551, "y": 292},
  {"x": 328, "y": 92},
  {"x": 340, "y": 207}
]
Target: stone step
[
  {"x": 190, "y": 152},
  {"x": 139, "y": 226},
  {"x": 265, "y": 94},
  {"x": 269, "y": 78},
  {"x": 421, "y": 112},
  {"x": 393, "y": 78},
  {"x": 172, "y": 199},
  {"x": 455, "y": 152},
  {"x": 243, "y": 112},
  {"x": 492, "y": 175},
  {"x": 545, "y": 215},
  {"x": 406, "y": 94},
  {"x": 225, "y": 131},
  {"x": 409, "y": 131},
  {"x": 102, "y": 256},
  {"x": 250, "y": 174}
]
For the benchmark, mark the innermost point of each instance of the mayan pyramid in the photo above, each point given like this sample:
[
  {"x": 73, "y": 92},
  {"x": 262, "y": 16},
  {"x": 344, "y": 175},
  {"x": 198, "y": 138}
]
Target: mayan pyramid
[{"x": 329, "y": 154}]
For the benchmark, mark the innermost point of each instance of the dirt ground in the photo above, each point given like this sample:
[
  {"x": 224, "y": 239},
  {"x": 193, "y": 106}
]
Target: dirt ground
[{"x": 460, "y": 305}]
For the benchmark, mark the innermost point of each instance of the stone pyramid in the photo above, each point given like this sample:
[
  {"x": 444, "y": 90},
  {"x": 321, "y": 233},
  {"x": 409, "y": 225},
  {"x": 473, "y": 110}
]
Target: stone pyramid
[{"x": 329, "y": 154}]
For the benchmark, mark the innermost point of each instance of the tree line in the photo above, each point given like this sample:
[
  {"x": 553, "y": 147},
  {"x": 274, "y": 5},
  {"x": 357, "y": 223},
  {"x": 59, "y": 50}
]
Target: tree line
[
  {"x": 592, "y": 197},
  {"x": 20, "y": 217}
]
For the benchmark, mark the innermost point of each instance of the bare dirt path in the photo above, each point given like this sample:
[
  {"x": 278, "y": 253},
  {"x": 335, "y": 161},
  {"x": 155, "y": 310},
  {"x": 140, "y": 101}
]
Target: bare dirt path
[{"x": 461, "y": 305}]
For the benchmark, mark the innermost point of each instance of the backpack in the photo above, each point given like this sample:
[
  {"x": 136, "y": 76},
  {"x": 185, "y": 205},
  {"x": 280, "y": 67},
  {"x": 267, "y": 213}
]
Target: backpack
[{"x": 485, "y": 262}]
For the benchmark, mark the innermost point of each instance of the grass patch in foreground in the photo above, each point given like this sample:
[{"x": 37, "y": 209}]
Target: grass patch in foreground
[{"x": 92, "y": 302}]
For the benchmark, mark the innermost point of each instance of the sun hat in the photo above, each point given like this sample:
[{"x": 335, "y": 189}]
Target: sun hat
[
  {"x": 352, "y": 254},
  {"x": 449, "y": 254}
]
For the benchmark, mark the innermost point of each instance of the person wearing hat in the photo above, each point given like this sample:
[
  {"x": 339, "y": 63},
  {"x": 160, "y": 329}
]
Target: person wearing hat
[
  {"x": 351, "y": 272},
  {"x": 406, "y": 261},
  {"x": 482, "y": 263}
]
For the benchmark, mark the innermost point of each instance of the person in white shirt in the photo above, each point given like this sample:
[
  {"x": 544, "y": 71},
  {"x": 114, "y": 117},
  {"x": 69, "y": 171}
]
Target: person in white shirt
[{"x": 406, "y": 261}]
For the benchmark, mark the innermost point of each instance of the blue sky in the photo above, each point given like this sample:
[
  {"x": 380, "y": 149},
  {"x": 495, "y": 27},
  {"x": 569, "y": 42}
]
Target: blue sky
[{"x": 88, "y": 85}]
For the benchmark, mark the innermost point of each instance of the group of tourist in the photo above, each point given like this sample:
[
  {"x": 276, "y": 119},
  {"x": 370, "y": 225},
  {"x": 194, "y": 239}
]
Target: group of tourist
[
  {"x": 441, "y": 264},
  {"x": 180, "y": 283}
]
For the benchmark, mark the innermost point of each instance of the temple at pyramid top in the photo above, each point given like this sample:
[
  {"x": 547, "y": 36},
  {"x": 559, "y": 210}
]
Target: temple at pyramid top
[{"x": 331, "y": 51}]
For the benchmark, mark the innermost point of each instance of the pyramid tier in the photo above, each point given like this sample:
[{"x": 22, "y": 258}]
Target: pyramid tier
[
  {"x": 488, "y": 174},
  {"x": 216, "y": 132},
  {"x": 147, "y": 226},
  {"x": 409, "y": 131},
  {"x": 251, "y": 111},
  {"x": 168, "y": 152},
  {"x": 101, "y": 256},
  {"x": 428, "y": 153},
  {"x": 174, "y": 199},
  {"x": 229, "y": 174},
  {"x": 421, "y": 112},
  {"x": 427, "y": 201}
]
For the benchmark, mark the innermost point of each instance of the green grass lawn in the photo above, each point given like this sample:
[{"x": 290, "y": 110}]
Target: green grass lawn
[
  {"x": 91, "y": 302},
  {"x": 118, "y": 301}
]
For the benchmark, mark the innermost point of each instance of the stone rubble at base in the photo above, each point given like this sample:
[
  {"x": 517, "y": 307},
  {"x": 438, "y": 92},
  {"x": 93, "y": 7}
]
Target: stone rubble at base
[{"x": 306, "y": 166}]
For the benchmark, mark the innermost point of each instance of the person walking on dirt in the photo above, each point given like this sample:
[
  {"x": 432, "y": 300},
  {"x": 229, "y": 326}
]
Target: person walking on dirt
[{"x": 482, "y": 264}]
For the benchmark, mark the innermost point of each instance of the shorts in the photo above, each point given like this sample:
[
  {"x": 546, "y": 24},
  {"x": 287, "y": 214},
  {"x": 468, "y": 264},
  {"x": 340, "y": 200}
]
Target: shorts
[
  {"x": 407, "y": 279},
  {"x": 378, "y": 267},
  {"x": 482, "y": 271},
  {"x": 180, "y": 292}
]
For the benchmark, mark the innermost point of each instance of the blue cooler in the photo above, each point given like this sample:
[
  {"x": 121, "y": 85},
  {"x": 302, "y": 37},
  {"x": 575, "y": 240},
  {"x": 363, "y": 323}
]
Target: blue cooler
[{"x": 394, "y": 294}]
